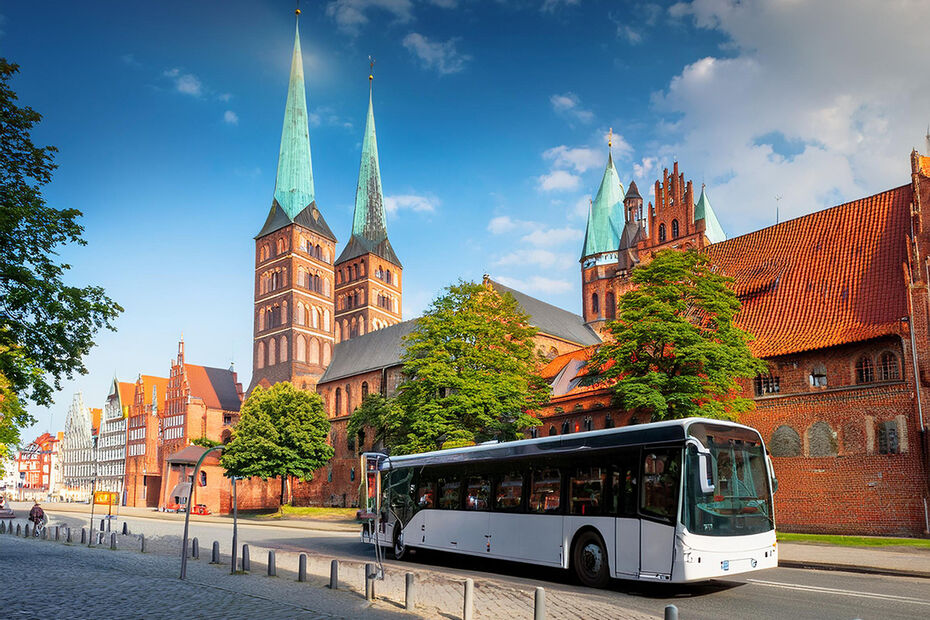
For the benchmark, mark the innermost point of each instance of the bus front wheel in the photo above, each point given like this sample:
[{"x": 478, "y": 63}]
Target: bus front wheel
[
  {"x": 589, "y": 559},
  {"x": 399, "y": 548}
]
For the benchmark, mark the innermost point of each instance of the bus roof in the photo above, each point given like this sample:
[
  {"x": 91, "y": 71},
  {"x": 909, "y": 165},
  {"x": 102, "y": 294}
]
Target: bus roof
[{"x": 653, "y": 432}]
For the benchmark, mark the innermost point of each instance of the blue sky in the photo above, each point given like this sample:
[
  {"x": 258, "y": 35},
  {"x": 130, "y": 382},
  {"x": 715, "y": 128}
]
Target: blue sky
[{"x": 492, "y": 120}]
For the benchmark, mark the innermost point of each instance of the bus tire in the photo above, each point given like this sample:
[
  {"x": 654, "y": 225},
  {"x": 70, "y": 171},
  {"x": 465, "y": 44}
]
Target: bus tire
[
  {"x": 399, "y": 548},
  {"x": 589, "y": 559}
]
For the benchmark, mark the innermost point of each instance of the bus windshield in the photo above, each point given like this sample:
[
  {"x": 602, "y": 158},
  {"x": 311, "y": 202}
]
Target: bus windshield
[{"x": 741, "y": 501}]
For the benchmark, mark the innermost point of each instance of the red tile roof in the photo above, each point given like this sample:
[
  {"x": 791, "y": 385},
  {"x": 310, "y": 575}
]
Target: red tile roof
[
  {"x": 95, "y": 414},
  {"x": 824, "y": 279},
  {"x": 126, "y": 393},
  {"x": 215, "y": 386},
  {"x": 161, "y": 386}
]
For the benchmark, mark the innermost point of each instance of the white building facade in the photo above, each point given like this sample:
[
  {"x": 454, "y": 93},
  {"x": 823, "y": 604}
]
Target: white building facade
[
  {"x": 79, "y": 463},
  {"x": 111, "y": 442}
]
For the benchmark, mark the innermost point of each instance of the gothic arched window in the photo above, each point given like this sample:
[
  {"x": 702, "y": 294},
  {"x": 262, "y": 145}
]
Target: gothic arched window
[
  {"x": 674, "y": 229},
  {"x": 611, "y": 303},
  {"x": 272, "y": 352},
  {"x": 888, "y": 367},
  {"x": 301, "y": 349},
  {"x": 595, "y": 304},
  {"x": 661, "y": 233},
  {"x": 338, "y": 401},
  {"x": 283, "y": 348},
  {"x": 364, "y": 389},
  {"x": 865, "y": 373},
  {"x": 314, "y": 351}
]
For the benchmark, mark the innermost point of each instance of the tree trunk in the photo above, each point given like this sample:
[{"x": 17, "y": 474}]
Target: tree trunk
[{"x": 282, "y": 490}]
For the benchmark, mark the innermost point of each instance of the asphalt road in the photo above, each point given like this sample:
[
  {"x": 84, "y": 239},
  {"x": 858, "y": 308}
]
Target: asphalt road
[{"x": 772, "y": 594}]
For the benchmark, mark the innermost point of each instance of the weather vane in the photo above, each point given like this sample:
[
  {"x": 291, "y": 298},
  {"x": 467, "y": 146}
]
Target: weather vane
[
  {"x": 371, "y": 68},
  {"x": 297, "y": 11},
  {"x": 610, "y": 137}
]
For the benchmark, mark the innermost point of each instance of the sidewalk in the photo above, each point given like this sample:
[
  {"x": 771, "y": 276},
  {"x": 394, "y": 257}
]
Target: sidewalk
[
  {"x": 335, "y": 525},
  {"x": 900, "y": 561}
]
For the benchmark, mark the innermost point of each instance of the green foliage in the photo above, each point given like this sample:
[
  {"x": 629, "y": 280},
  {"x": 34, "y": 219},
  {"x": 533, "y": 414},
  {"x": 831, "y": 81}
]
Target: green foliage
[
  {"x": 282, "y": 432},
  {"x": 205, "y": 442},
  {"x": 47, "y": 327},
  {"x": 675, "y": 352},
  {"x": 469, "y": 375},
  {"x": 12, "y": 418},
  {"x": 381, "y": 414}
]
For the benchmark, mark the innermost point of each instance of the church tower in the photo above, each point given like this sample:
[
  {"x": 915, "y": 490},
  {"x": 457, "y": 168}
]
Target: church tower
[
  {"x": 368, "y": 272},
  {"x": 606, "y": 224},
  {"x": 294, "y": 281}
]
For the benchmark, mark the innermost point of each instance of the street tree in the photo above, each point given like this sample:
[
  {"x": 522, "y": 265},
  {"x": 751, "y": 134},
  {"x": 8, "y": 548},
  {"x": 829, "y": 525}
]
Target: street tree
[
  {"x": 674, "y": 350},
  {"x": 469, "y": 375},
  {"x": 46, "y": 326},
  {"x": 281, "y": 433}
]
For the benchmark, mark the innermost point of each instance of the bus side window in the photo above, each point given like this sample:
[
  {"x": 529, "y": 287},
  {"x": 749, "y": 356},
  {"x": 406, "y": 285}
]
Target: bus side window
[
  {"x": 426, "y": 492},
  {"x": 450, "y": 492},
  {"x": 477, "y": 493},
  {"x": 661, "y": 474},
  {"x": 587, "y": 490},
  {"x": 545, "y": 491},
  {"x": 509, "y": 492},
  {"x": 625, "y": 476}
]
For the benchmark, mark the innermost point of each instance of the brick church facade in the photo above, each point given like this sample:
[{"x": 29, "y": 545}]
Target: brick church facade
[{"x": 838, "y": 303}]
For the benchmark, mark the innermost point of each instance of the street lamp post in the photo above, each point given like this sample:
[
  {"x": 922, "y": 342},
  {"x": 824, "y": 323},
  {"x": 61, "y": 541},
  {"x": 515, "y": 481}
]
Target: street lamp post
[{"x": 187, "y": 514}]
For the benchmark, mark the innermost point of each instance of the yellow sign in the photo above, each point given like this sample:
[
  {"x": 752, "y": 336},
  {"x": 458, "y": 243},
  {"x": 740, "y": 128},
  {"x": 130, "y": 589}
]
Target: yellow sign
[{"x": 105, "y": 497}]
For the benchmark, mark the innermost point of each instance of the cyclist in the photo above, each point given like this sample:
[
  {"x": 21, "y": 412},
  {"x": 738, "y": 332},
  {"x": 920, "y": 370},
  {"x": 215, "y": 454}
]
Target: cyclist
[{"x": 37, "y": 516}]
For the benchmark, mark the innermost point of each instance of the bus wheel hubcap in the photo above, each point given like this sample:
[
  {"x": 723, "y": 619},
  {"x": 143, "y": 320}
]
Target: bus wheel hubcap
[{"x": 591, "y": 558}]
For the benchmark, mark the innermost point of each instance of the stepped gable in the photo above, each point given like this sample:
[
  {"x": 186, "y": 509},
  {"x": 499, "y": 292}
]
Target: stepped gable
[{"x": 829, "y": 278}]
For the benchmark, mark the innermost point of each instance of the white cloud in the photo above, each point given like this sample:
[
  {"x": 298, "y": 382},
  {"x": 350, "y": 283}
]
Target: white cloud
[
  {"x": 350, "y": 15},
  {"x": 412, "y": 202},
  {"x": 580, "y": 159},
  {"x": 225, "y": 97},
  {"x": 441, "y": 56},
  {"x": 130, "y": 60},
  {"x": 581, "y": 206},
  {"x": 635, "y": 37},
  {"x": 186, "y": 83},
  {"x": 550, "y": 6},
  {"x": 559, "y": 181},
  {"x": 644, "y": 167},
  {"x": 230, "y": 117},
  {"x": 445, "y": 4},
  {"x": 502, "y": 224},
  {"x": 537, "y": 258},
  {"x": 569, "y": 105},
  {"x": 536, "y": 284},
  {"x": 784, "y": 113},
  {"x": 553, "y": 236}
]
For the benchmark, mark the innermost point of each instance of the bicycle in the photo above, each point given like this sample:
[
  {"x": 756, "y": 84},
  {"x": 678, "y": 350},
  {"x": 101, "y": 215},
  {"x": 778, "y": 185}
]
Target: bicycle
[{"x": 39, "y": 526}]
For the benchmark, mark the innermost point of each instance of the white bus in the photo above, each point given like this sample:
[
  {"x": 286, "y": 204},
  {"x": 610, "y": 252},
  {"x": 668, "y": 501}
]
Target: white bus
[{"x": 677, "y": 501}]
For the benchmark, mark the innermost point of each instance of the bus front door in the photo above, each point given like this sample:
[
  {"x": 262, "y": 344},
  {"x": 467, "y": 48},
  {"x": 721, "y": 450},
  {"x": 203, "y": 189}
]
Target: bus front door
[
  {"x": 627, "y": 553},
  {"x": 658, "y": 545}
]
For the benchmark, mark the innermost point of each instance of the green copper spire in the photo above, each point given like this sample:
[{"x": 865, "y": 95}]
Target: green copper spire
[
  {"x": 369, "y": 222},
  {"x": 369, "y": 228},
  {"x": 294, "y": 184},
  {"x": 605, "y": 219},
  {"x": 703, "y": 211}
]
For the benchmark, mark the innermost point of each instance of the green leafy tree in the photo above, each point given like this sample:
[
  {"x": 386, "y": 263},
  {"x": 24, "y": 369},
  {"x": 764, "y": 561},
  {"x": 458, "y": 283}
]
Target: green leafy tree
[
  {"x": 46, "y": 326},
  {"x": 469, "y": 368},
  {"x": 675, "y": 351},
  {"x": 281, "y": 433},
  {"x": 383, "y": 415}
]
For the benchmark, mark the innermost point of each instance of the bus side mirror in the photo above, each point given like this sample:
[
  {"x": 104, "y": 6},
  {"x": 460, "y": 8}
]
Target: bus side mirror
[
  {"x": 705, "y": 468},
  {"x": 768, "y": 461}
]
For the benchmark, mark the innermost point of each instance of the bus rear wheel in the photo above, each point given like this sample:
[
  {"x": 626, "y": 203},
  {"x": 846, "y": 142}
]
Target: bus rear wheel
[
  {"x": 399, "y": 548},
  {"x": 589, "y": 559}
]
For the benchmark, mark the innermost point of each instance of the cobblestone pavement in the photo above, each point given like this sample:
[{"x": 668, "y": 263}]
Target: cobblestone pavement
[{"x": 148, "y": 583}]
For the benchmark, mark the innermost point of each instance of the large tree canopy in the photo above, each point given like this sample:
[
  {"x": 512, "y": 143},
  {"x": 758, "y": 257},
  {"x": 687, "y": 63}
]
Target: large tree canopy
[
  {"x": 46, "y": 326},
  {"x": 469, "y": 370},
  {"x": 675, "y": 351},
  {"x": 282, "y": 432}
]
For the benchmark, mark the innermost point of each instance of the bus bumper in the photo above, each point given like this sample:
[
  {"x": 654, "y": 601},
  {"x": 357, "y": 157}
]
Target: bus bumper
[{"x": 694, "y": 564}]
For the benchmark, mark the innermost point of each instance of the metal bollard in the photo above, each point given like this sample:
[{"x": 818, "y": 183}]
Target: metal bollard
[
  {"x": 57, "y": 532},
  {"x": 539, "y": 605},
  {"x": 302, "y": 567},
  {"x": 215, "y": 559},
  {"x": 83, "y": 536},
  {"x": 195, "y": 548},
  {"x": 113, "y": 540},
  {"x": 272, "y": 568},
  {"x": 26, "y": 535},
  {"x": 469, "y": 608},
  {"x": 334, "y": 575},
  {"x": 246, "y": 562},
  {"x": 44, "y": 533},
  {"x": 68, "y": 535},
  {"x": 125, "y": 528},
  {"x": 671, "y": 612},
  {"x": 103, "y": 523},
  {"x": 2, "y": 527},
  {"x": 410, "y": 599},
  {"x": 369, "y": 582},
  {"x": 142, "y": 543}
]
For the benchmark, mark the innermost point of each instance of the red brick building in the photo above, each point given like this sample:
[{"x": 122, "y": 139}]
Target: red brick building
[
  {"x": 143, "y": 469},
  {"x": 37, "y": 464},
  {"x": 838, "y": 303}
]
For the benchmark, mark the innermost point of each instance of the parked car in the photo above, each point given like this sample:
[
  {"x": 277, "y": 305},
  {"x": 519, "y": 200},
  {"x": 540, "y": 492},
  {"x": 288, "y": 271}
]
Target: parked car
[
  {"x": 200, "y": 509},
  {"x": 174, "y": 507}
]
